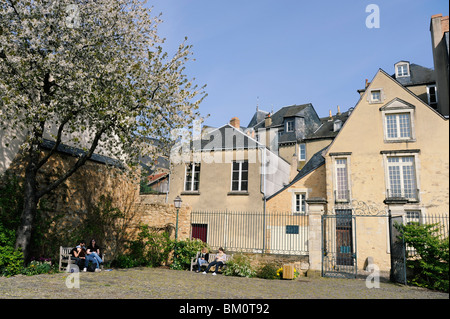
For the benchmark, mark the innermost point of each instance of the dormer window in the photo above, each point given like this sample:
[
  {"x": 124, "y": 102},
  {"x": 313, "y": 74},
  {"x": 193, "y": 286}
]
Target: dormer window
[
  {"x": 290, "y": 126},
  {"x": 402, "y": 69},
  {"x": 337, "y": 125}
]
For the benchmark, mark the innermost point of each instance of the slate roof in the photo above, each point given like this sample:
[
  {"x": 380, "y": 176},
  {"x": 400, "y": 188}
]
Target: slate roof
[
  {"x": 287, "y": 111},
  {"x": 418, "y": 75},
  {"x": 326, "y": 130},
  {"x": 257, "y": 118},
  {"x": 315, "y": 162},
  {"x": 225, "y": 137}
]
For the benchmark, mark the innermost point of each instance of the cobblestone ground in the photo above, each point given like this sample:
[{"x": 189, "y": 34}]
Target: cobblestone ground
[{"x": 159, "y": 283}]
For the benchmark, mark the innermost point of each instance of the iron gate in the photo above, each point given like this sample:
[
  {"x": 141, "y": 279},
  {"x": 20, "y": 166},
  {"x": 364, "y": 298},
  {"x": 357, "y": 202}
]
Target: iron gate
[
  {"x": 398, "y": 252},
  {"x": 339, "y": 242}
]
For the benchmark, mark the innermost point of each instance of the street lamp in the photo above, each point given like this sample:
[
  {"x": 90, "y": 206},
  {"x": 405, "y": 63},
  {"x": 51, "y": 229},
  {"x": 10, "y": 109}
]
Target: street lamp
[{"x": 177, "y": 202}]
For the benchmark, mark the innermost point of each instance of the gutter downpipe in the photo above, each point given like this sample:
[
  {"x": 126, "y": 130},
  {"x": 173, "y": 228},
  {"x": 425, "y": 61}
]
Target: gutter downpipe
[{"x": 263, "y": 179}]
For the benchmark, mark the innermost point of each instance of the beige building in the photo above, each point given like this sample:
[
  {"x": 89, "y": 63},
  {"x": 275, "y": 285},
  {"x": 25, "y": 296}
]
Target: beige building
[
  {"x": 226, "y": 169},
  {"x": 391, "y": 156}
]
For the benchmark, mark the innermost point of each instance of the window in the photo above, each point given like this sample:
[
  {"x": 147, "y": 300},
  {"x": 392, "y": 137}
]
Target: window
[
  {"x": 342, "y": 191},
  {"x": 402, "y": 70},
  {"x": 239, "y": 178},
  {"x": 290, "y": 126},
  {"x": 401, "y": 177},
  {"x": 337, "y": 125},
  {"x": 375, "y": 96},
  {"x": 432, "y": 96},
  {"x": 302, "y": 152},
  {"x": 300, "y": 203},
  {"x": 192, "y": 178},
  {"x": 280, "y": 132},
  {"x": 412, "y": 217},
  {"x": 398, "y": 126}
]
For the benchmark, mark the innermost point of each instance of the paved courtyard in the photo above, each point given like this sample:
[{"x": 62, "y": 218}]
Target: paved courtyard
[{"x": 160, "y": 283}]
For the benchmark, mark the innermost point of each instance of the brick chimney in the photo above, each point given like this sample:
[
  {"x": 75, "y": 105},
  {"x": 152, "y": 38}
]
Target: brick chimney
[
  {"x": 235, "y": 122},
  {"x": 268, "y": 121}
]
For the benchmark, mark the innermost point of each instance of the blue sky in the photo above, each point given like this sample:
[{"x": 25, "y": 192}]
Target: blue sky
[{"x": 285, "y": 52}]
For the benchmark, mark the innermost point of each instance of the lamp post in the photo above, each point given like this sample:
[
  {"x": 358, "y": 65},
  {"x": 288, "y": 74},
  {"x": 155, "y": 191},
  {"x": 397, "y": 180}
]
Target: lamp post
[{"x": 177, "y": 203}]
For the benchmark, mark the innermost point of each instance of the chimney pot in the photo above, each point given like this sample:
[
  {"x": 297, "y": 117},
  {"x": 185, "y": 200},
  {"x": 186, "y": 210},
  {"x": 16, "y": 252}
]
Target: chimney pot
[
  {"x": 330, "y": 117},
  {"x": 235, "y": 122},
  {"x": 268, "y": 121}
]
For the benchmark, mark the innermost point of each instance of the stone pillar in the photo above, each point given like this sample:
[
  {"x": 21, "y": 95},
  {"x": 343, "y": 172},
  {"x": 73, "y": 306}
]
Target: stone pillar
[{"x": 316, "y": 208}]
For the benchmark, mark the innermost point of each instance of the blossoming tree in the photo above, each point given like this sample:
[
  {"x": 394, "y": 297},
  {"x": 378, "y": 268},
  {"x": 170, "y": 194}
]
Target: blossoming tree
[{"x": 90, "y": 73}]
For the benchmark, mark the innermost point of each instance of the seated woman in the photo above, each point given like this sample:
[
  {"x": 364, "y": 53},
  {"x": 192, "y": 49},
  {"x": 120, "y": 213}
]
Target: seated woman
[
  {"x": 202, "y": 258},
  {"x": 79, "y": 254},
  {"x": 93, "y": 254},
  {"x": 220, "y": 260}
]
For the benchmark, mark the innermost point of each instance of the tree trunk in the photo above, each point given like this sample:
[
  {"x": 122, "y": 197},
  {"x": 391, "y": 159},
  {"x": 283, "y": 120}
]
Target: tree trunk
[{"x": 23, "y": 236}]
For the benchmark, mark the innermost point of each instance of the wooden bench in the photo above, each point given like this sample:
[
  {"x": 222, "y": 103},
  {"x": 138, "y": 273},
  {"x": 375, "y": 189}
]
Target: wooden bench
[
  {"x": 66, "y": 258},
  {"x": 211, "y": 258}
]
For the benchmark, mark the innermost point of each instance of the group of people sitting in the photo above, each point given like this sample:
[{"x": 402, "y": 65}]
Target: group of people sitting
[
  {"x": 84, "y": 255},
  {"x": 219, "y": 261}
]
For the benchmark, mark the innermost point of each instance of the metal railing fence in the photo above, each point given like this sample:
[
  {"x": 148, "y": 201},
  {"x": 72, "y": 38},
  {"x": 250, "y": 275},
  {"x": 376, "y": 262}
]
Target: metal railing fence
[{"x": 253, "y": 232}]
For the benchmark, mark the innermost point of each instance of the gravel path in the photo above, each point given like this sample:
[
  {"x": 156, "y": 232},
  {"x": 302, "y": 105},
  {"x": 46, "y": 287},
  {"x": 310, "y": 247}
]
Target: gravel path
[{"x": 159, "y": 283}]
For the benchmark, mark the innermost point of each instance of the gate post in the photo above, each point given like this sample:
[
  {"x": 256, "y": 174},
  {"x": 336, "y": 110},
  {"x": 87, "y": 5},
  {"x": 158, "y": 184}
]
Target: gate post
[{"x": 316, "y": 208}]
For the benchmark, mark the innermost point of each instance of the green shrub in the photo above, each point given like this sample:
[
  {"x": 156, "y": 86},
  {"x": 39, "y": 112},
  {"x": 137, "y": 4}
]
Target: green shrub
[
  {"x": 239, "y": 266},
  {"x": 430, "y": 263},
  {"x": 37, "y": 267},
  {"x": 11, "y": 260},
  {"x": 267, "y": 271},
  {"x": 151, "y": 248},
  {"x": 184, "y": 251},
  {"x": 126, "y": 261}
]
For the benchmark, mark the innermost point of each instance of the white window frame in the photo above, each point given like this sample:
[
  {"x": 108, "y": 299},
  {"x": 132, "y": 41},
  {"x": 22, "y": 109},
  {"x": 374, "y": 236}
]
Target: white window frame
[
  {"x": 407, "y": 219},
  {"x": 193, "y": 165},
  {"x": 336, "y": 183},
  {"x": 295, "y": 192},
  {"x": 397, "y": 113},
  {"x": 300, "y": 156},
  {"x": 370, "y": 98},
  {"x": 290, "y": 128},
  {"x": 402, "y": 74},
  {"x": 240, "y": 180},
  {"x": 415, "y": 164},
  {"x": 397, "y": 129}
]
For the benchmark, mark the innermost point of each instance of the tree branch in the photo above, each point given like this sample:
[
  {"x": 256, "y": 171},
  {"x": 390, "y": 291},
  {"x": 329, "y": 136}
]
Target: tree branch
[{"x": 74, "y": 168}]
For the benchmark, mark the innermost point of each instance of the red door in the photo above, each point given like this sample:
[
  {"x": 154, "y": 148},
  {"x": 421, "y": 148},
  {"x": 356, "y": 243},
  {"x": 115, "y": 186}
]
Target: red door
[{"x": 200, "y": 231}]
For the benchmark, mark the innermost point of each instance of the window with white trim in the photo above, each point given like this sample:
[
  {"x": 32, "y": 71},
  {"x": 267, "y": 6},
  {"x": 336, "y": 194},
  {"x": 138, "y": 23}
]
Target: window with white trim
[
  {"x": 398, "y": 126},
  {"x": 239, "y": 176},
  {"x": 375, "y": 96},
  {"x": 300, "y": 203},
  {"x": 290, "y": 126},
  {"x": 412, "y": 217},
  {"x": 341, "y": 172},
  {"x": 402, "y": 70},
  {"x": 192, "y": 177},
  {"x": 402, "y": 177},
  {"x": 302, "y": 152}
]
